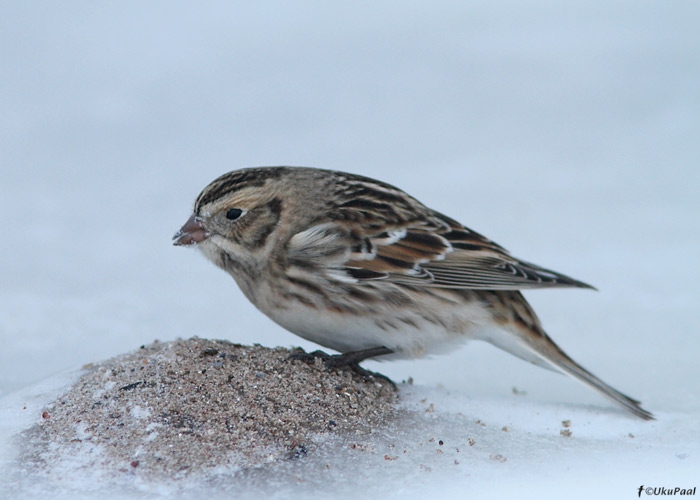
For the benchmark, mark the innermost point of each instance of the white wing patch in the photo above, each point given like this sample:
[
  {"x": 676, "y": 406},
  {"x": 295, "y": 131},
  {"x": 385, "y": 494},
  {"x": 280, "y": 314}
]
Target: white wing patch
[
  {"x": 323, "y": 248},
  {"x": 390, "y": 237},
  {"x": 323, "y": 235}
]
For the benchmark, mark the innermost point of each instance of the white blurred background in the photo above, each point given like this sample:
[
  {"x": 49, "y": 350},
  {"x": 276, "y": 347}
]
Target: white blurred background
[{"x": 567, "y": 132}]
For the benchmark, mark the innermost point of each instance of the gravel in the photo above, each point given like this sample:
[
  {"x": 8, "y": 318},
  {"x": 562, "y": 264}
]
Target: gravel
[{"x": 171, "y": 410}]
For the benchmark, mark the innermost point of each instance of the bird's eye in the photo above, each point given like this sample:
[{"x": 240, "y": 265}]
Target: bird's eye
[{"x": 234, "y": 213}]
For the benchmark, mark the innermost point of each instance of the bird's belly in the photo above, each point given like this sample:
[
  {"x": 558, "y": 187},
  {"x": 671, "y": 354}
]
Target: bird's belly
[{"x": 409, "y": 333}]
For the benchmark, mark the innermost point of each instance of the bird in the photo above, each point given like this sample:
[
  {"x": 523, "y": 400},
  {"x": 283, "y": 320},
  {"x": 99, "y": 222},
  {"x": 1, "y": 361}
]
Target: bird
[{"x": 358, "y": 266}]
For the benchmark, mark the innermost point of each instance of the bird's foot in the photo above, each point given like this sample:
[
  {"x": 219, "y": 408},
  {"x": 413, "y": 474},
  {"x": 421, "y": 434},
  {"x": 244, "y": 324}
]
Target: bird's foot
[{"x": 350, "y": 360}]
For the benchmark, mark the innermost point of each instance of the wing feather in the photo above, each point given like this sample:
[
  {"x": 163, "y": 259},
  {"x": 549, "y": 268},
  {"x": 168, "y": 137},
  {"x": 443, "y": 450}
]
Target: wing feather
[{"x": 385, "y": 234}]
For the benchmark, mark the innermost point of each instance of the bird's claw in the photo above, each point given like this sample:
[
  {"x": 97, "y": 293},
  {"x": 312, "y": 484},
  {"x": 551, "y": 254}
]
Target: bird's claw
[{"x": 350, "y": 360}]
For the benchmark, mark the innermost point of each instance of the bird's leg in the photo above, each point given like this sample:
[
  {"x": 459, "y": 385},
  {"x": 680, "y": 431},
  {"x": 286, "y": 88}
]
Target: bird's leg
[
  {"x": 351, "y": 359},
  {"x": 355, "y": 357}
]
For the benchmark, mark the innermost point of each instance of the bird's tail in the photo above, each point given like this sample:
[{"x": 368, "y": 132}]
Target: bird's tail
[{"x": 532, "y": 344}]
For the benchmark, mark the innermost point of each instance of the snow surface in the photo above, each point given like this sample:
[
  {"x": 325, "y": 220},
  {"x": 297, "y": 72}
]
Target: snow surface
[{"x": 569, "y": 133}]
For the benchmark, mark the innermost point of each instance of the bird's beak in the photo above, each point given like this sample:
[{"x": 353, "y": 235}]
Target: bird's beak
[{"x": 191, "y": 233}]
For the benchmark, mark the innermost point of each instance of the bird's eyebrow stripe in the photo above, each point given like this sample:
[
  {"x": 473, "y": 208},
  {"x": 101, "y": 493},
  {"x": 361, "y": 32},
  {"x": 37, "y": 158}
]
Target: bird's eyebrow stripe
[{"x": 235, "y": 181}]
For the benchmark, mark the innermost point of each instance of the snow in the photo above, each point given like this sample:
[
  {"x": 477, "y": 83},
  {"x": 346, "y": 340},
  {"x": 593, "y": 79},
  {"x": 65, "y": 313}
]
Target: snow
[{"x": 568, "y": 133}]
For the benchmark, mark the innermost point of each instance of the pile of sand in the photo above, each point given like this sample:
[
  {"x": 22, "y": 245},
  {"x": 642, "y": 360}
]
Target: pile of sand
[{"x": 172, "y": 409}]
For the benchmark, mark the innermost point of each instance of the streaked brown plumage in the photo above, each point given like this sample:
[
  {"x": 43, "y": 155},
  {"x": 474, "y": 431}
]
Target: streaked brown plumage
[{"x": 354, "y": 264}]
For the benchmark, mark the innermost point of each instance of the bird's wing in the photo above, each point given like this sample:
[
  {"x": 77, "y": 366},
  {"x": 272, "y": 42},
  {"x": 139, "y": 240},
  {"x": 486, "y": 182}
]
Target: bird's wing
[{"x": 378, "y": 232}]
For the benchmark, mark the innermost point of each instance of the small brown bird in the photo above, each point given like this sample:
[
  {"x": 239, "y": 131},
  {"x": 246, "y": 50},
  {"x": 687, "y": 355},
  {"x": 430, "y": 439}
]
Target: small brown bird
[{"x": 359, "y": 266}]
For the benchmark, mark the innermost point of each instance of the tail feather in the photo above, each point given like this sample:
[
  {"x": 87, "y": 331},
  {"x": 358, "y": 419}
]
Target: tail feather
[
  {"x": 553, "y": 354},
  {"x": 525, "y": 338}
]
